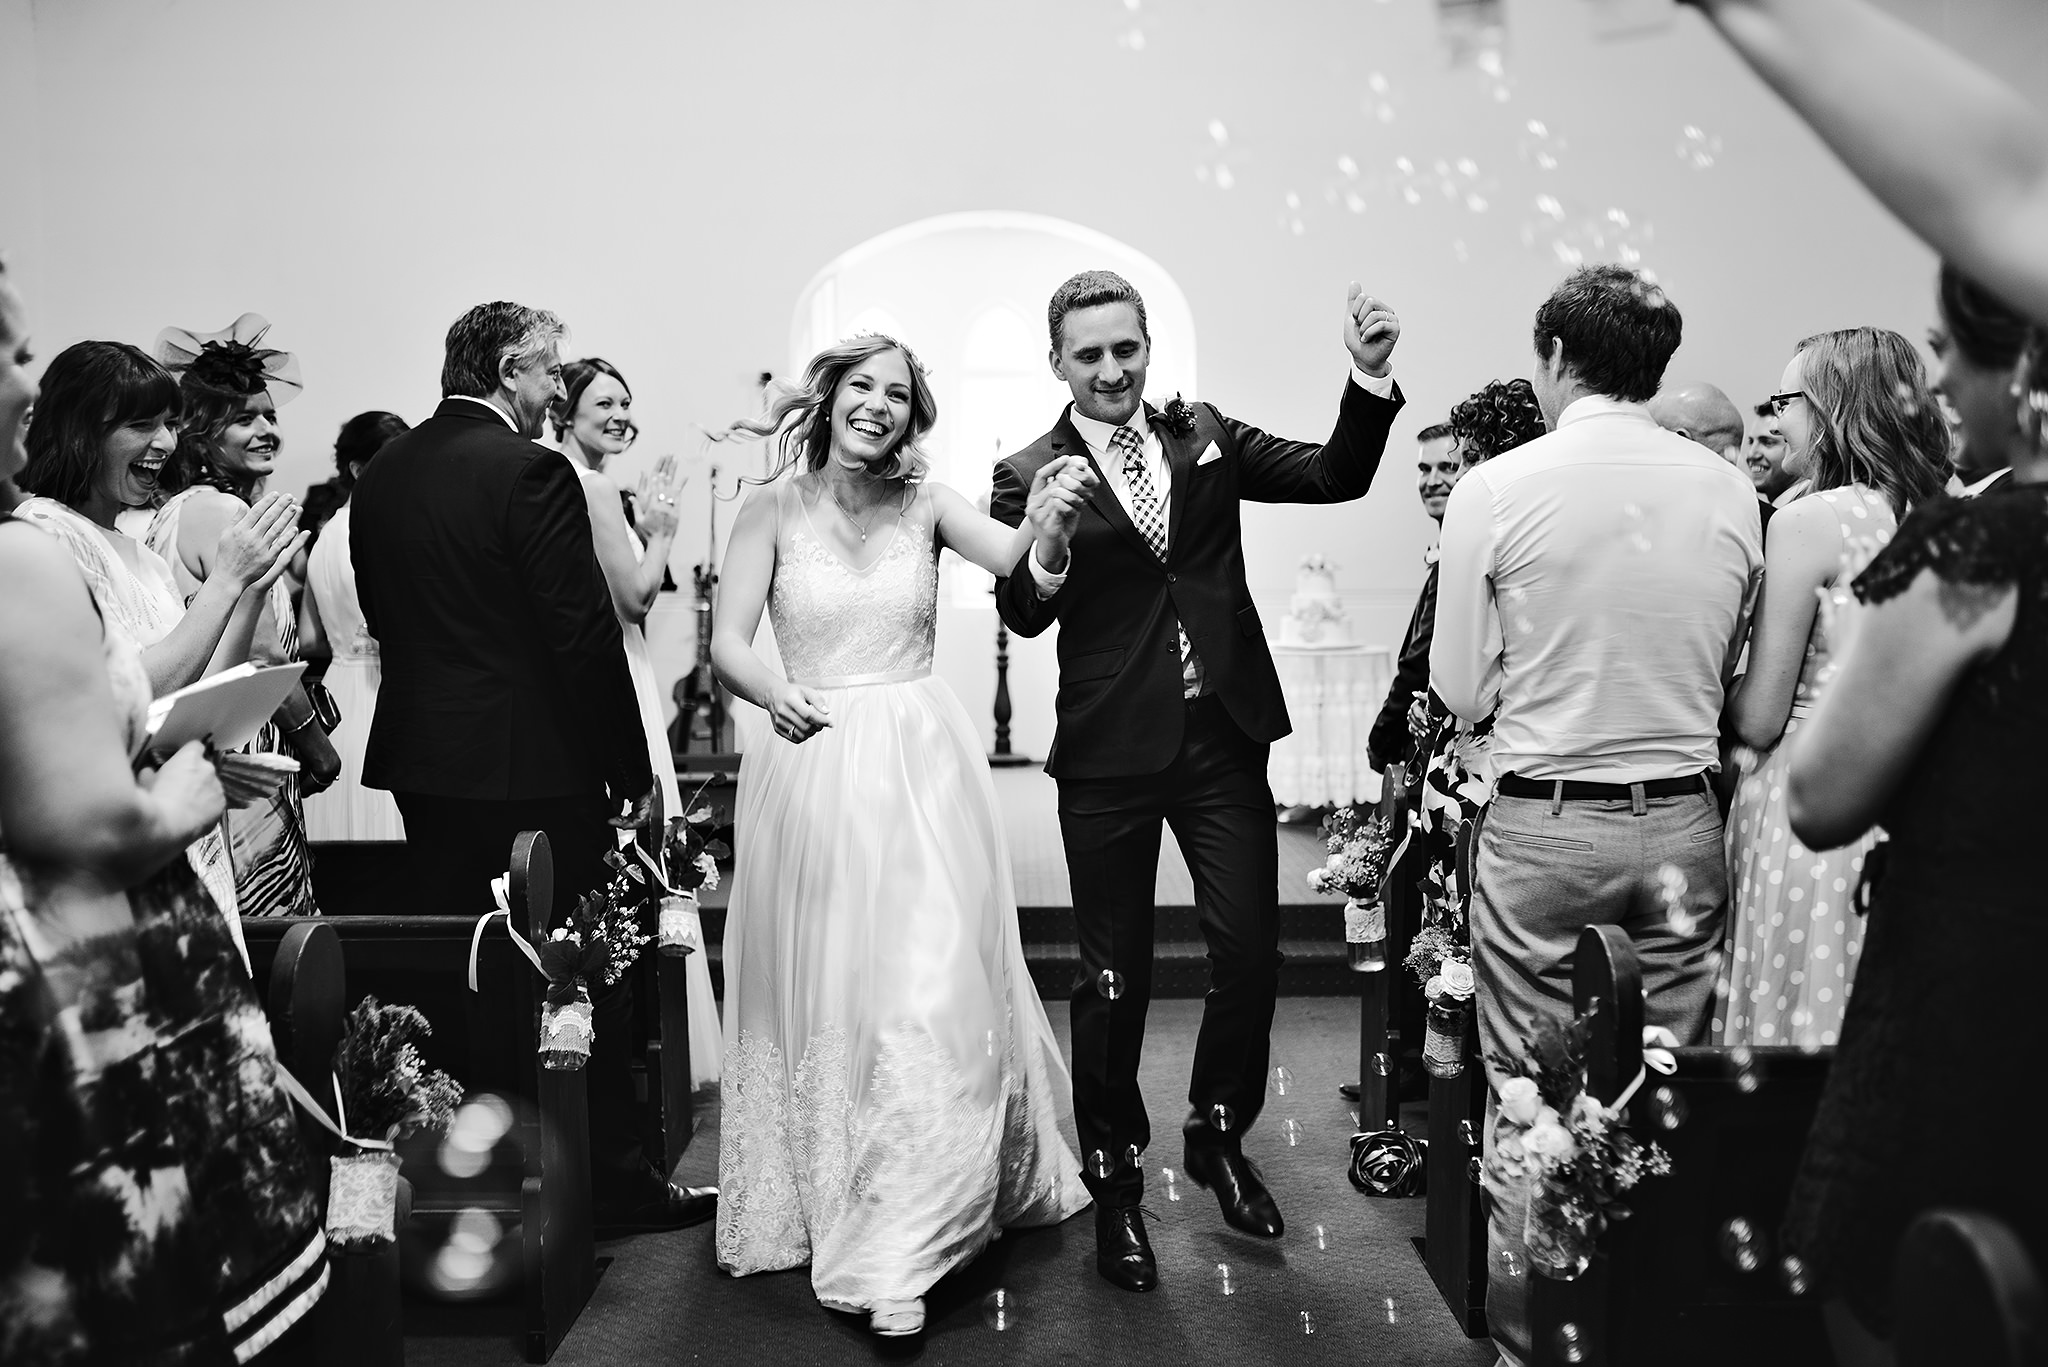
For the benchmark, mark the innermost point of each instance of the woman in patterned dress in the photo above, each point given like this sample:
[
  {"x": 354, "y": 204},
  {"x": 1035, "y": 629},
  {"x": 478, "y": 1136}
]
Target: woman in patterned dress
[
  {"x": 1861, "y": 424},
  {"x": 155, "y": 1201},
  {"x": 228, "y": 445},
  {"x": 893, "y": 1092}
]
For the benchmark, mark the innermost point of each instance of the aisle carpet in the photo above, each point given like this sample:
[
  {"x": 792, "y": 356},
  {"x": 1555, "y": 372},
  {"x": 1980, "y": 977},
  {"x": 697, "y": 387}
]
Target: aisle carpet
[{"x": 1361, "y": 1285}]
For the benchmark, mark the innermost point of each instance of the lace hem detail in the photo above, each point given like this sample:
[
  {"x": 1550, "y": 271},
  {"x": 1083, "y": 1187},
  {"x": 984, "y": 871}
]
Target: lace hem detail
[{"x": 1994, "y": 539}]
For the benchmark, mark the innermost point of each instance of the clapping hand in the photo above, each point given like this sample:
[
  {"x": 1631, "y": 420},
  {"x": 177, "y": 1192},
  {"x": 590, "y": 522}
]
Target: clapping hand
[
  {"x": 255, "y": 548},
  {"x": 1370, "y": 331},
  {"x": 655, "y": 501},
  {"x": 1054, "y": 505}
]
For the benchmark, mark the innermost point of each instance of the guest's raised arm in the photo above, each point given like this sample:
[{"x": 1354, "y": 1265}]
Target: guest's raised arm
[{"x": 1950, "y": 149}]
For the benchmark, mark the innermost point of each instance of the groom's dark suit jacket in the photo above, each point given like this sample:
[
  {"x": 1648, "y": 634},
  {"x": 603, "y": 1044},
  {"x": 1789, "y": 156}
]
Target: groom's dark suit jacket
[
  {"x": 504, "y": 669},
  {"x": 1119, "y": 711}
]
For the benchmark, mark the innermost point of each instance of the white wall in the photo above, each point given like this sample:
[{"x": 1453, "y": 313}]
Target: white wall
[{"x": 668, "y": 177}]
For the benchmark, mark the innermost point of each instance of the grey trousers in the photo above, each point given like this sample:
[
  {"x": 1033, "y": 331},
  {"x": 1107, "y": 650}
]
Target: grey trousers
[{"x": 1544, "y": 871}]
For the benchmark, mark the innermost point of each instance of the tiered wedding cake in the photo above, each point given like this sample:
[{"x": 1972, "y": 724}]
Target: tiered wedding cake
[{"x": 1314, "y": 616}]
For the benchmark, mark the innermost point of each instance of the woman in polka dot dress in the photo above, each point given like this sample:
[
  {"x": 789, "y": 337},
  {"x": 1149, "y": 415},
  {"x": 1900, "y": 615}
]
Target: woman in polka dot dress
[{"x": 1861, "y": 424}]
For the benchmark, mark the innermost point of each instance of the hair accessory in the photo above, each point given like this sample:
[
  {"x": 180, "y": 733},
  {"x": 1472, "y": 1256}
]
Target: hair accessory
[{"x": 232, "y": 359}]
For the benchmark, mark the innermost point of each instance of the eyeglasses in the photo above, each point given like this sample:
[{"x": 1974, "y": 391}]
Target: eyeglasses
[{"x": 1780, "y": 402}]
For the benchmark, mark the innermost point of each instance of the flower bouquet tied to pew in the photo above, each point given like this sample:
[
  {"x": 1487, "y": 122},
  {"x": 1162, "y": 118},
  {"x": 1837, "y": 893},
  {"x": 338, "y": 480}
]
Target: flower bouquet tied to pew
[
  {"x": 603, "y": 937},
  {"x": 1440, "y": 957},
  {"x": 691, "y": 849},
  {"x": 384, "y": 1091},
  {"x": 1360, "y": 849},
  {"x": 1574, "y": 1151}
]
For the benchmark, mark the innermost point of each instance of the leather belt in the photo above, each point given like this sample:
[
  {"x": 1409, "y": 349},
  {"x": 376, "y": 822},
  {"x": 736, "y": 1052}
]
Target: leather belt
[{"x": 1578, "y": 790}]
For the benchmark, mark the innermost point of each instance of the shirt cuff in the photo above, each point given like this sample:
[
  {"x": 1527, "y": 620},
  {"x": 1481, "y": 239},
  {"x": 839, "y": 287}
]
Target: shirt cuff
[
  {"x": 1048, "y": 583},
  {"x": 1382, "y": 388}
]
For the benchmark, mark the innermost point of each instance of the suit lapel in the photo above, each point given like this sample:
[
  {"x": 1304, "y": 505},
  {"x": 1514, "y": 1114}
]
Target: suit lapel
[
  {"x": 1180, "y": 468},
  {"x": 1067, "y": 441}
]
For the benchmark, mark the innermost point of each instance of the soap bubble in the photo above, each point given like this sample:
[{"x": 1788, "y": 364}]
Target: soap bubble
[
  {"x": 988, "y": 1043},
  {"x": 1393, "y": 1315},
  {"x": 1792, "y": 1274},
  {"x": 1291, "y": 1128},
  {"x": 999, "y": 1309},
  {"x": 1099, "y": 1166},
  {"x": 1668, "y": 1108},
  {"x": 1571, "y": 1345},
  {"x": 1282, "y": 1080},
  {"x": 1224, "y": 179},
  {"x": 1172, "y": 1191},
  {"x": 1380, "y": 1066},
  {"x": 1377, "y": 84},
  {"x": 1475, "y": 1169},
  {"x": 1539, "y": 146},
  {"x": 1348, "y": 167},
  {"x": 1222, "y": 1118},
  {"x": 1743, "y": 1067},
  {"x": 1743, "y": 1247},
  {"x": 1698, "y": 148},
  {"x": 1223, "y": 1279},
  {"x": 1308, "y": 1323},
  {"x": 1322, "y": 1238},
  {"x": 472, "y": 1134},
  {"x": 1110, "y": 983},
  {"x": 1131, "y": 1155},
  {"x": 1354, "y": 201},
  {"x": 1133, "y": 40},
  {"x": 1219, "y": 133},
  {"x": 1510, "y": 1264}
]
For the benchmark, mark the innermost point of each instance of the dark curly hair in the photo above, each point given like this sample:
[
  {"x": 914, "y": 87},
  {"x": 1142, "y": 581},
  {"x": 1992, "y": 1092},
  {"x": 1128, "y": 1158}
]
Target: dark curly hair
[
  {"x": 1501, "y": 416},
  {"x": 1618, "y": 328}
]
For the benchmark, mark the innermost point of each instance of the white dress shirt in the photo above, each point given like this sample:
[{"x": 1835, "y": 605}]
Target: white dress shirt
[
  {"x": 502, "y": 415},
  {"x": 1594, "y": 585}
]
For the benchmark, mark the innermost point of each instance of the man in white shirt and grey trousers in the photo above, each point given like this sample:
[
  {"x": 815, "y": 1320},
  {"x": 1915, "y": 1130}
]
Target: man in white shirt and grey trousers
[{"x": 1593, "y": 596}]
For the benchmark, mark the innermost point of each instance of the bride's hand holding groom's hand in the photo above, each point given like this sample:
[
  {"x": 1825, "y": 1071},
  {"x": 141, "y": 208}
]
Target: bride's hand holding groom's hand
[
  {"x": 798, "y": 712},
  {"x": 1370, "y": 331},
  {"x": 1053, "y": 507}
]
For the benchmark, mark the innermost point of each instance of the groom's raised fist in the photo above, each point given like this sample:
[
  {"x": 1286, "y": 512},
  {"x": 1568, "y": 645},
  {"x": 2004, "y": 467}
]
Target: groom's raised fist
[{"x": 1370, "y": 331}]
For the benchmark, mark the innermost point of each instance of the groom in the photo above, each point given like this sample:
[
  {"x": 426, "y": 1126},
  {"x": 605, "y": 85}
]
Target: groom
[{"x": 1168, "y": 701}]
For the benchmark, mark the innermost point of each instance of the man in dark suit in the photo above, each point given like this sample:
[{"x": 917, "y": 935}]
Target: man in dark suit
[
  {"x": 1168, "y": 701},
  {"x": 505, "y": 703}
]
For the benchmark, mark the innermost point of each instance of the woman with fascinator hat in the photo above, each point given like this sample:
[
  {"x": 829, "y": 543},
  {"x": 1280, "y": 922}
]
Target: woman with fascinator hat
[{"x": 228, "y": 445}]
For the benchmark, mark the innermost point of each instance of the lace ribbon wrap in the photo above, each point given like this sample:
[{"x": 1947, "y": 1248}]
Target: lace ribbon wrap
[
  {"x": 680, "y": 927},
  {"x": 362, "y": 1197},
  {"x": 1364, "y": 922},
  {"x": 566, "y": 1030}
]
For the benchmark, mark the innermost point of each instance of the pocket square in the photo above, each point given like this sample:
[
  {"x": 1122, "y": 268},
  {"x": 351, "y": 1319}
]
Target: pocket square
[{"x": 1210, "y": 454}]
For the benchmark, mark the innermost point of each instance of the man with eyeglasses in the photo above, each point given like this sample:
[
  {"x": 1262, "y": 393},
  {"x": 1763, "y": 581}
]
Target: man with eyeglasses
[{"x": 1763, "y": 453}]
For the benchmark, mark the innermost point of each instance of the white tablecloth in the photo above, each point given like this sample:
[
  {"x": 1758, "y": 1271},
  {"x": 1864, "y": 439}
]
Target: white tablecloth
[{"x": 1333, "y": 693}]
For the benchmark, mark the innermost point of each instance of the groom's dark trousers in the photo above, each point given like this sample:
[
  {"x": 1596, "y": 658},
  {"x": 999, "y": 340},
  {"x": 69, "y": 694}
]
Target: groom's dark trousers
[
  {"x": 505, "y": 703},
  {"x": 1131, "y": 754}
]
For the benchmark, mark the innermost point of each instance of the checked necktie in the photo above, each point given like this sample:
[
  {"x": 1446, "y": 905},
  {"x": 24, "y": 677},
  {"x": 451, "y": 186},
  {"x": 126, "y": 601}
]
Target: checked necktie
[{"x": 1144, "y": 498}]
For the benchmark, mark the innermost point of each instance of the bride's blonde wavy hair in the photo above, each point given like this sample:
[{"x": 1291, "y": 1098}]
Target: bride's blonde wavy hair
[{"x": 799, "y": 416}]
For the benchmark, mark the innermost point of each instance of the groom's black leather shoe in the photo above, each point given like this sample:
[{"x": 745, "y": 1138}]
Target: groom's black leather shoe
[
  {"x": 1123, "y": 1255},
  {"x": 1247, "y": 1205}
]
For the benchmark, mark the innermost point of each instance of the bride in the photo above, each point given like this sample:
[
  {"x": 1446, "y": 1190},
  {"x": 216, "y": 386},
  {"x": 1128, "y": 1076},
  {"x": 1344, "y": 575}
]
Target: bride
[{"x": 892, "y": 1094}]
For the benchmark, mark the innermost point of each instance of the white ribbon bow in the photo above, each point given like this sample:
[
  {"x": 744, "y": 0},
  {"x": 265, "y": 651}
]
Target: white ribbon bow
[
  {"x": 296, "y": 1090},
  {"x": 501, "y": 893},
  {"x": 1658, "y": 1043}
]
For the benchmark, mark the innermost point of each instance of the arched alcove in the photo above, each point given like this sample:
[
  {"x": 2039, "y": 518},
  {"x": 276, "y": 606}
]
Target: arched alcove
[{"x": 968, "y": 293}]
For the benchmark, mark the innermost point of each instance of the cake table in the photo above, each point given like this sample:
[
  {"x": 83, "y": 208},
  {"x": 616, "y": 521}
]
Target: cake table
[{"x": 1334, "y": 689}]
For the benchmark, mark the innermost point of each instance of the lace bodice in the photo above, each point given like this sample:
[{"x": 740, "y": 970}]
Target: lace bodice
[
  {"x": 1867, "y": 523},
  {"x": 1982, "y": 763},
  {"x": 835, "y": 623}
]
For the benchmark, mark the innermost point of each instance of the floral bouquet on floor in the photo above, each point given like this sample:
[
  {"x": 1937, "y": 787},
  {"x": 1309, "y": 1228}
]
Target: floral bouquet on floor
[
  {"x": 1440, "y": 957},
  {"x": 386, "y": 1092},
  {"x": 691, "y": 849},
  {"x": 602, "y": 939},
  {"x": 1574, "y": 1153},
  {"x": 1360, "y": 849}
]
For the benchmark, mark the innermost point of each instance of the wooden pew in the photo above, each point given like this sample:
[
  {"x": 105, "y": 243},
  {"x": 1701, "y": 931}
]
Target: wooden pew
[
  {"x": 662, "y": 996},
  {"x": 488, "y": 1040},
  {"x": 1966, "y": 1291},
  {"x": 1454, "y": 1249},
  {"x": 1674, "y": 1284},
  {"x": 358, "y": 1322}
]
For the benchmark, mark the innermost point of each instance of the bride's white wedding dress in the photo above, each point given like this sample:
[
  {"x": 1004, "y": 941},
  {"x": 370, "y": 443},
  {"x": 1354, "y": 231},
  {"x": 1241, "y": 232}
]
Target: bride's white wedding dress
[{"x": 893, "y": 1092}]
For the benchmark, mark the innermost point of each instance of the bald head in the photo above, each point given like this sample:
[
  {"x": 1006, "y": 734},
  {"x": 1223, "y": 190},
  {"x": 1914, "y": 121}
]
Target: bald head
[{"x": 1703, "y": 413}]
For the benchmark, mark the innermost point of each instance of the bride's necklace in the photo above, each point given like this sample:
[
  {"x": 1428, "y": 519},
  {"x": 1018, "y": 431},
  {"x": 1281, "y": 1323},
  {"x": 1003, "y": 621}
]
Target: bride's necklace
[{"x": 859, "y": 529}]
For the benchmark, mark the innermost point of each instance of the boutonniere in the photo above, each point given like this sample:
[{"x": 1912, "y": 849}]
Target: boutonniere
[{"x": 1178, "y": 417}]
